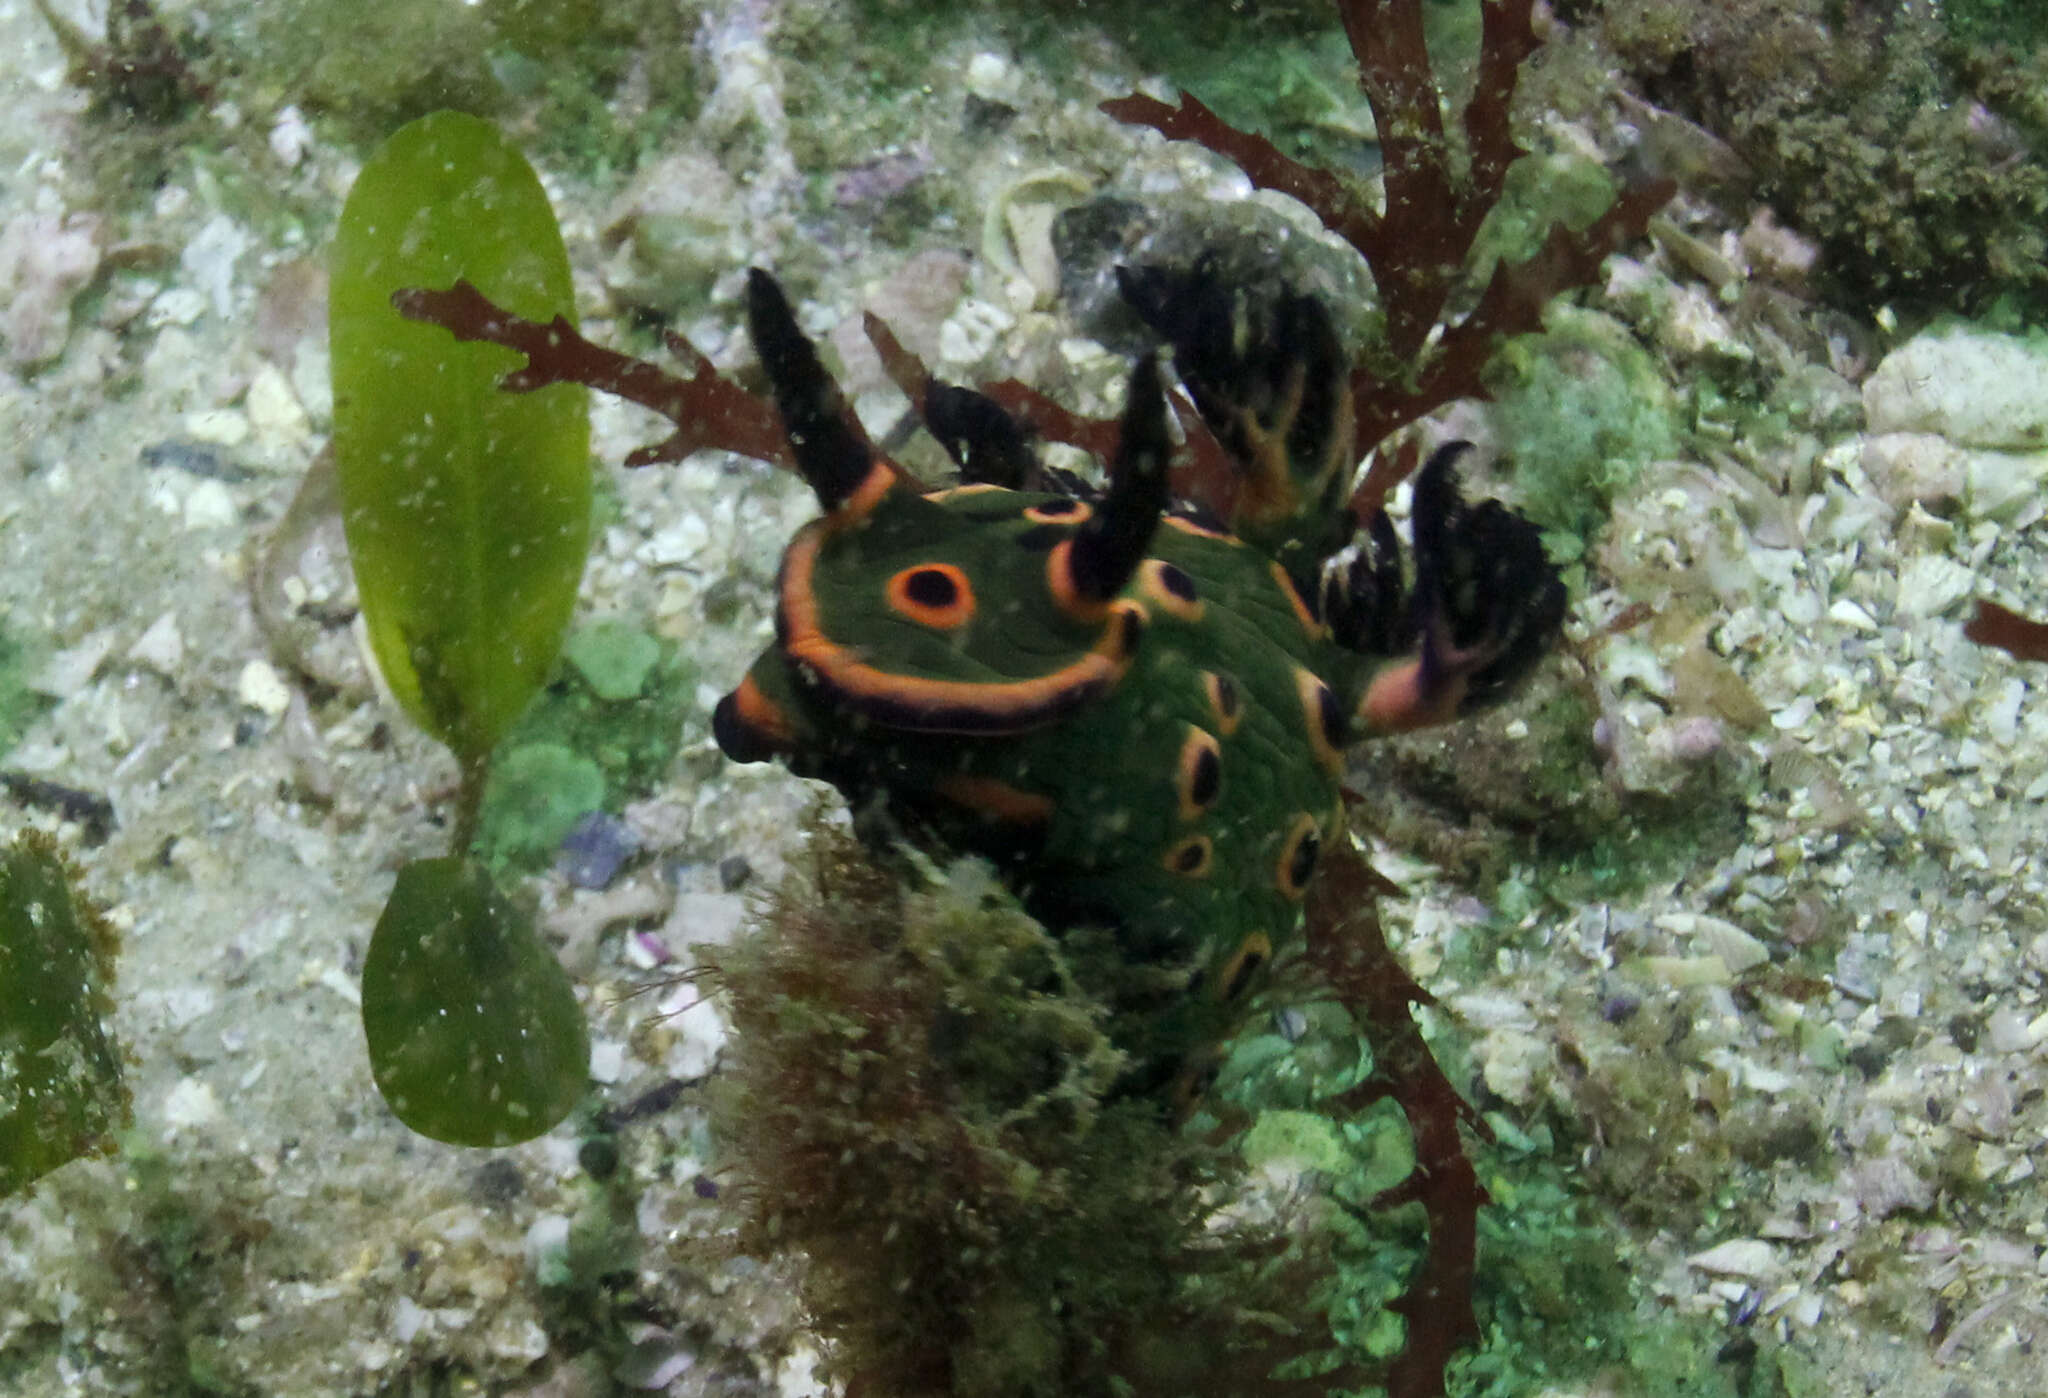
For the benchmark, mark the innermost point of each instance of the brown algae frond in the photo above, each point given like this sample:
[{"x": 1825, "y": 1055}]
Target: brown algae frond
[{"x": 918, "y": 1109}]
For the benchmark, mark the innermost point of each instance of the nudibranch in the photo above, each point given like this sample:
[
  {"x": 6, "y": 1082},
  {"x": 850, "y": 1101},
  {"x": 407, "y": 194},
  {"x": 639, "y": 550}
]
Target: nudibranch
[{"x": 1138, "y": 710}]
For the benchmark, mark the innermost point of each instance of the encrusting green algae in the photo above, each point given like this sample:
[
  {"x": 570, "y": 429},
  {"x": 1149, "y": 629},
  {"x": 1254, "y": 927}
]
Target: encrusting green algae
[{"x": 62, "y": 1092}]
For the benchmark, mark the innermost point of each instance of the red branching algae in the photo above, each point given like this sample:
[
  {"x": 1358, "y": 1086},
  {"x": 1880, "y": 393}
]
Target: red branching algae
[
  {"x": 709, "y": 410},
  {"x": 1347, "y": 949},
  {"x": 2006, "y": 630}
]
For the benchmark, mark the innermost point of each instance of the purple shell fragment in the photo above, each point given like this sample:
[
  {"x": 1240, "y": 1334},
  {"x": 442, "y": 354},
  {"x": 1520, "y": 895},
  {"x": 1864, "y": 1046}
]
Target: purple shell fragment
[{"x": 594, "y": 850}]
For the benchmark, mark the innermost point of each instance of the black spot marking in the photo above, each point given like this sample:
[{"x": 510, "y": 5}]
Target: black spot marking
[
  {"x": 1055, "y": 509},
  {"x": 1208, "y": 776},
  {"x": 1255, "y": 952},
  {"x": 1226, "y": 696},
  {"x": 931, "y": 587},
  {"x": 1298, "y": 854},
  {"x": 1302, "y": 862},
  {"x": 1177, "y": 582},
  {"x": 1191, "y": 856}
]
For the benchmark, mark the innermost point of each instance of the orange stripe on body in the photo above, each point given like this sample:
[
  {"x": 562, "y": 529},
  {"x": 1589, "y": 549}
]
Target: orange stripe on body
[
  {"x": 1302, "y": 614},
  {"x": 955, "y": 492},
  {"x": 997, "y": 799},
  {"x": 763, "y": 716},
  {"x": 1006, "y": 706},
  {"x": 882, "y": 477},
  {"x": 1199, "y": 531}
]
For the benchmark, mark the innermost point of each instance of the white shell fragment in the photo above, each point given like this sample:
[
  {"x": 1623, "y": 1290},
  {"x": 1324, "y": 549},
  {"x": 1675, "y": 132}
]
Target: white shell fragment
[
  {"x": 161, "y": 648},
  {"x": 191, "y": 1104},
  {"x": 262, "y": 688},
  {"x": 1975, "y": 387},
  {"x": 1751, "y": 1258},
  {"x": 1932, "y": 583},
  {"x": 1738, "y": 950},
  {"x": 70, "y": 670}
]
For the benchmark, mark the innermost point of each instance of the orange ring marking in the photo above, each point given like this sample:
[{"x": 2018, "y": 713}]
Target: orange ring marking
[
  {"x": 1318, "y": 711},
  {"x": 1252, "y": 953},
  {"x": 1059, "y": 581},
  {"x": 1154, "y": 585},
  {"x": 943, "y": 616},
  {"x": 1194, "y": 772},
  {"x": 1009, "y": 706},
  {"x": 1224, "y": 701},
  {"x": 1288, "y": 876},
  {"x": 1191, "y": 858}
]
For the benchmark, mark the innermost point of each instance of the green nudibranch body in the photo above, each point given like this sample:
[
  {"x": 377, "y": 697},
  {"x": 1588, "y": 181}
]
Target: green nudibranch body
[{"x": 1138, "y": 714}]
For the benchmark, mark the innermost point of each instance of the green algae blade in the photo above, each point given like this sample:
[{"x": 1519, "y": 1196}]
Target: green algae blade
[
  {"x": 467, "y": 508},
  {"x": 61, "y": 1093},
  {"x": 474, "y": 1033}
]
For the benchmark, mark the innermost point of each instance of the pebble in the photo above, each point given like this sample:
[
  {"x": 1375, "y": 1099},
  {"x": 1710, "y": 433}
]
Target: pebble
[
  {"x": 273, "y": 409},
  {"x": 1738, "y": 1257},
  {"x": 1682, "y": 972},
  {"x": 160, "y": 648},
  {"x": 971, "y": 332},
  {"x": 993, "y": 78},
  {"x": 1931, "y": 584},
  {"x": 211, "y": 506},
  {"x": 1738, "y": 950},
  {"x": 607, "y": 1060},
  {"x": 45, "y": 261},
  {"x": 654, "y": 1360},
  {"x": 195, "y": 458},
  {"x": 191, "y": 1103},
  {"x": 1777, "y": 252},
  {"x": 1975, "y": 387},
  {"x": 595, "y": 849},
  {"x": 679, "y": 542},
  {"x": 290, "y": 137},
  {"x": 209, "y": 261},
  {"x": 705, "y": 917},
  {"x": 699, "y": 1035},
  {"x": 226, "y": 427},
  {"x": 1694, "y": 327},
  {"x": 679, "y": 223},
  {"x": 733, "y": 872},
  {"x": 260, "y": 687},
  {"x": 70, "y": 670},
  {"x": 179, "y": 305}
]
